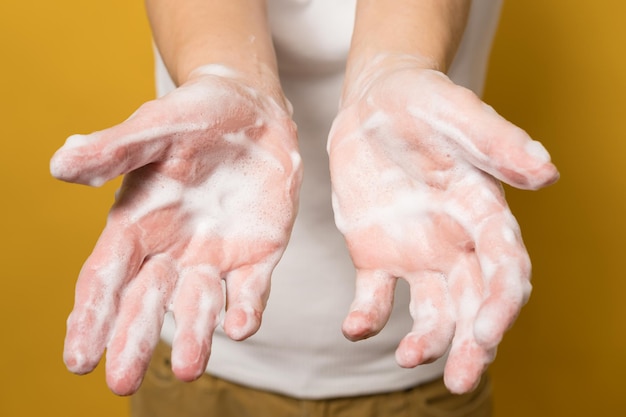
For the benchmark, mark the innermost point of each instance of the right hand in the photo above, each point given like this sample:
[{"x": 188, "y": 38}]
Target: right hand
[{"x": 210, "y": 194}]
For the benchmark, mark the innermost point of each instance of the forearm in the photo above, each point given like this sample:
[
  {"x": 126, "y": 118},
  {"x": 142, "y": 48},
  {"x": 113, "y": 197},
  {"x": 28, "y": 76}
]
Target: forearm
[
  {"x": 428, "y": 29},
  {"x": 234, "y": 33}
]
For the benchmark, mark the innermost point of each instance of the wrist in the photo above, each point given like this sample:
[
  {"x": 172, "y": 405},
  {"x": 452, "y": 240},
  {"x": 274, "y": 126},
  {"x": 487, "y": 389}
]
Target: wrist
[
  {"x": 192, "y": 34},
  {"x": 369, "y": 69},
  {"x": 427, "y": 30},
  {"x": 262, "y": 80},
  {"x": 240, "y": 52}
]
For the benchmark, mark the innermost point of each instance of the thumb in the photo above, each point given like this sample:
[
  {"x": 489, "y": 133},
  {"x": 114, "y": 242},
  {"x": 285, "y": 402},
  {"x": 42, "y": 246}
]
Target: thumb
[
  {"x": 508, "y": 153},
  {"x": 98, "y": 157},
  {"x": 500, "y": 148}
]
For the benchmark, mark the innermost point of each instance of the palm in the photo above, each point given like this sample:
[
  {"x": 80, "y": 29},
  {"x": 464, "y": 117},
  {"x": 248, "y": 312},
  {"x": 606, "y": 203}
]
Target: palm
[
  {"x": 210, "y": 194},
  {"x": 413, "y": 195}
]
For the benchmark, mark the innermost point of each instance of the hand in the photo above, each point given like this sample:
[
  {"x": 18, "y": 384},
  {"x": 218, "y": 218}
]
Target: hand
[
  {"x": 210, "y": 194},
  {"x": 413, "y": 159}
]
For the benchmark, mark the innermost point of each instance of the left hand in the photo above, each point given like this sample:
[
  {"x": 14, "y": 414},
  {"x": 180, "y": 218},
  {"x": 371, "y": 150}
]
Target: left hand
[{"x": 413, "y": 159}]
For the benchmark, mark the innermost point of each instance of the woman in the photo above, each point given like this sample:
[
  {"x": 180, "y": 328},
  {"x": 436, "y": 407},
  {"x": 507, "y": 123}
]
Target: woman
[{"x": 214, "y": 181}]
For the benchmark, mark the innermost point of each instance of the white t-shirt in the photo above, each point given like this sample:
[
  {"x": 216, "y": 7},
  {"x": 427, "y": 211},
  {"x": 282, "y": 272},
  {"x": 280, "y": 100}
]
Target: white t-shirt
[{"x": 300, "y": 350}]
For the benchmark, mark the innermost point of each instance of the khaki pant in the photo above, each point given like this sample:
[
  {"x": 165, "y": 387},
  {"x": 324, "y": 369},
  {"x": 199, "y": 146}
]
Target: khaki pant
[{"x": 162, "y": 395}]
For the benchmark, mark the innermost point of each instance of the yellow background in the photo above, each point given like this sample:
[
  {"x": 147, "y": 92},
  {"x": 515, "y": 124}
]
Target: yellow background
[{"x": 558, "y": 70}]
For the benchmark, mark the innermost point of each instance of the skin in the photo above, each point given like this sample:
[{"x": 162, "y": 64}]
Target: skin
[
  {"x": 211, "y": 181},
  {"x": 210, "y": 195},
  {"x": 413, "y": 162},
  {"x": 223, "y": 139}
]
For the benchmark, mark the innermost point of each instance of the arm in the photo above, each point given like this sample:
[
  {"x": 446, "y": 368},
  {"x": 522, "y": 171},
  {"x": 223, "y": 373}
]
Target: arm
[
  {"x": 428, "y": 29},
  {"x": 415, "y": 162},
  {"x": 211, "y": 179},
  {"x": 193, "y": 33}
]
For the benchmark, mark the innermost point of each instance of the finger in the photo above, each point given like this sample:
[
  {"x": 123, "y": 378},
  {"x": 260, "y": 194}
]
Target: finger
[
  {"x": 372, "y": 304},
  {"x": 138, "y": 325},
  {"x": 247, "y": 291},
  {"x": 489, "y": 141},
  {"x": 466, "y": 363},
  {"x": 467, "y": 359},
  {"x": 433, "y": 321},
  {"x": 506, "y": 268},
  {"x": 197, "y": 306},
  {"x": 509, "y": 154},
  {"x": 98, "y": 157},
  {"x": 115, "y": 259}
]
